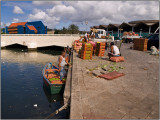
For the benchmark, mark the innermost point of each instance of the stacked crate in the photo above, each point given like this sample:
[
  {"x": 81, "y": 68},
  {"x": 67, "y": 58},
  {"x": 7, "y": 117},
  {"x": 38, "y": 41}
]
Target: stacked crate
[
  {"x": 77, "y": 45},
  {"x": 140, "y": 44},
  {"x": 100, "y": 48},
  {"x": 86, "y": 52}
]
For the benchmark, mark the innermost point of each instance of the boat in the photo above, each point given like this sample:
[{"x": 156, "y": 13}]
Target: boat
[
  {"x": 51, "y": 78},
  {"x": 52, "y": 97}
]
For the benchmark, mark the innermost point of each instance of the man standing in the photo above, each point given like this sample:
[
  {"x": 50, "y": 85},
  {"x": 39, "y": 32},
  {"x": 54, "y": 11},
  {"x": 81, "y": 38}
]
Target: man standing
[{"x": 62, "y": 62}]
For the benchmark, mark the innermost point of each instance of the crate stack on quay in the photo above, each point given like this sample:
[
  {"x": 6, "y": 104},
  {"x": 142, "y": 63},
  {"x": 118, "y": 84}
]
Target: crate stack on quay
[
  {"x": 100, "y": 48},
  {"x": 86, "y": 51},
  {"x": 77, "y": 46},
  {"x": 130, "y": 34},
  {"x": 140, "y": 44}
]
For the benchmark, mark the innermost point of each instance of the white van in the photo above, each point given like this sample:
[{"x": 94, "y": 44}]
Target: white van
[{"x": 101, "y": 32}]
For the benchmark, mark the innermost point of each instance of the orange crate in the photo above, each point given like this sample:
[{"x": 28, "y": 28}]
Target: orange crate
[
  {"x": 84, "y": 57},
  {"x": 100, "y": 47},
  {"x": 86, "y": 52},
  {"x": 100, "y": 43},
  {"x": 87, "y": 49},
  {"x": 86, "y": 45},
  {"x": 100, "y": 50},
  {"x": 100, "y": 54}
]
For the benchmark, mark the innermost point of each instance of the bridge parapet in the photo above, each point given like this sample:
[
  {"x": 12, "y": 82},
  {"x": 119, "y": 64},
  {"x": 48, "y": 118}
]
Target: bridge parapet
[{"x": 33, "y": 41}]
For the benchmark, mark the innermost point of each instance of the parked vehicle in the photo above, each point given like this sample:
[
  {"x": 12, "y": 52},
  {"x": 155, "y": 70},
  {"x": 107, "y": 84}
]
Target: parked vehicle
[
  {"x": 100, "y": 32},
  {"x": 153, "y": 40}
]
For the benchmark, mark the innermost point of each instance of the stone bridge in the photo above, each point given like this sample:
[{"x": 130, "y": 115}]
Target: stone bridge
[{"x": 33, "y": 41}]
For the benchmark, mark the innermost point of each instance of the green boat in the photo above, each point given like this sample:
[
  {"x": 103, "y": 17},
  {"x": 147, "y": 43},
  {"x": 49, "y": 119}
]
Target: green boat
[
  {"x": 52, "y": 97},
  {"x": 51, "y": 78}
]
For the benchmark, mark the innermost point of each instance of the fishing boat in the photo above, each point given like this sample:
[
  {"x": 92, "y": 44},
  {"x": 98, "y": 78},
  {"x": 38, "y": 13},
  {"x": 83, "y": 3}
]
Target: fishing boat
[
  {"x": 51, "y": 78},
  {"x": 52, "y": 97}
]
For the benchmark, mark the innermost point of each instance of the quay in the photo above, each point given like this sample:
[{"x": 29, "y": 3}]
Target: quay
[{"x": 133, "y": 96}]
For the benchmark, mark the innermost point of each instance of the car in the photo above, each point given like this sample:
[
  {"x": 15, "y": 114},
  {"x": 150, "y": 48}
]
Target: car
[{"x": 153, "y": 40}]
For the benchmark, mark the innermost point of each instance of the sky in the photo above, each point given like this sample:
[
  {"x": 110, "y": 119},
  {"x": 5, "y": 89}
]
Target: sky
[{"x": 59, "y": 14}]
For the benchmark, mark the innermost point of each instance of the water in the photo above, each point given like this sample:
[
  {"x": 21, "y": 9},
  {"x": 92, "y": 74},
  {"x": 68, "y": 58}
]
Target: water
[{"x": 22, "y": 85}]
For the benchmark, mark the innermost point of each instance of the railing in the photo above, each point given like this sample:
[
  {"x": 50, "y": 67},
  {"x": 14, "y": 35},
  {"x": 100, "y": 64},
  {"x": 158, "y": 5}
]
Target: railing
[{"x": 40, "y": 34}]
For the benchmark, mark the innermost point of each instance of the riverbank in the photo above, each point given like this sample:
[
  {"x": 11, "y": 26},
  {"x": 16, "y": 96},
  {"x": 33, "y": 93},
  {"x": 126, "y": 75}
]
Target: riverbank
[{"x": 132, "y": 96}]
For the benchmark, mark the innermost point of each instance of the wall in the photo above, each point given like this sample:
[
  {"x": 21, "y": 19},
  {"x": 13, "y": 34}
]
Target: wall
[
  {"x": 39, "y": 26},
  {"x": 37, "y": 40},
  {"x": 5, "y": 30},
  {"x": 28, "y": 31},
  {"x": 20, "y": 29}
]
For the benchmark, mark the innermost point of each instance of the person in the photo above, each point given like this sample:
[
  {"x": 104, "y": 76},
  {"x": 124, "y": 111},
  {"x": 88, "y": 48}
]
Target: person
[
  {"x": 86, "y": 36},
  {"x": 61, "y": 63},
  {"x": 68, "y": 53},
  {"x": 92, "y": 35},
  {"x": 114, "y": 50}
]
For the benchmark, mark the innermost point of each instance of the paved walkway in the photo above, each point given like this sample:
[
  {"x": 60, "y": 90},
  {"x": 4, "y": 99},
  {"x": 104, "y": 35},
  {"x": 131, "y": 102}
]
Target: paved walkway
[{"x": 133, "y": 96}]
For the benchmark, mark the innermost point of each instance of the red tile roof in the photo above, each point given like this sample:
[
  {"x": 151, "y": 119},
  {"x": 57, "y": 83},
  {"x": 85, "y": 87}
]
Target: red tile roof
[
  {"x": 16, "y": 24},
  {"x": 31, "y": 27}
]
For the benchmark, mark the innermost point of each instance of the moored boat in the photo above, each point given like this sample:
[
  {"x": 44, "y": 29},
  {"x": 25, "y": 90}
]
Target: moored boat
[{"x": 51, "y": 78}]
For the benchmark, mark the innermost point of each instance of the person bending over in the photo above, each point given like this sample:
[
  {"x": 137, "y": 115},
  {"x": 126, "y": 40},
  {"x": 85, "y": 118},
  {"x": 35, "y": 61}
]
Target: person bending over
[{"x": 114, "y": 50}]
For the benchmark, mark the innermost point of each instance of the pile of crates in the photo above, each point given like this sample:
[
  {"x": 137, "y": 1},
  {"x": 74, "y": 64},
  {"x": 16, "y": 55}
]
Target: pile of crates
[
  {"x": 100, "y": 48},
  {"x": 77, "y": 45},
  {"x": 140, "y": 44},
  {"x": 86, "y": 51}
]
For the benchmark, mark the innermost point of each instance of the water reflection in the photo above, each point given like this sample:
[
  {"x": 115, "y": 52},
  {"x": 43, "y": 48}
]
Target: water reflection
[
  {"x": 53, "y": 98},
  {"x": 28, "y": 57}
]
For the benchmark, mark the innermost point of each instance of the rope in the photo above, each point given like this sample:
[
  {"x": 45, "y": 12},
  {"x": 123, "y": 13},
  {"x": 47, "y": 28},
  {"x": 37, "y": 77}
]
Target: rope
[{"x": 57, "y": 111}]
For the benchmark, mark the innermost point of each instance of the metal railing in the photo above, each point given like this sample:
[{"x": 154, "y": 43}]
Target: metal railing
[{"x": 40, "y": 34}]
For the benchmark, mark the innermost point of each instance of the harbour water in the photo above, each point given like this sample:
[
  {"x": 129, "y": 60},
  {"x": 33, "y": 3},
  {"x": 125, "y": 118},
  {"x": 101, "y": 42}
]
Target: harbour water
[{"x": 22, "y": 93}]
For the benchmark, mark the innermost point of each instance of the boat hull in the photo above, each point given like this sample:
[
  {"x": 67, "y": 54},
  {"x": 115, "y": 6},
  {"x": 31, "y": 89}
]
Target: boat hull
[{"x": 54, "y": 88}]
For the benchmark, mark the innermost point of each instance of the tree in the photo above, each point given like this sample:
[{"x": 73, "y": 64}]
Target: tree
[
  {"x": 56, "y": 31},
  {"x": 73, "y": 29}
]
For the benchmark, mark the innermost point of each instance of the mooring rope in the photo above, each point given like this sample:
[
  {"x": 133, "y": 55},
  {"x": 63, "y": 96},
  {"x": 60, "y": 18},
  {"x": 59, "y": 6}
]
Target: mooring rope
[{"x": 57, "y": 111}]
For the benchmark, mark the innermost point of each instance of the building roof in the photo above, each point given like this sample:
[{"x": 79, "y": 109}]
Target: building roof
[
  {"x": 31, "y": 27},
  {"x": 113, "y": 25},
  {"x": 17, "y": 24},
  {"x": 104, "y": 26},
  {"x": 96, "y": 27},
  {"x": 126, "y": 24},
  {"x": 144, "y": 21},
  {"x": 129, "y": 24}
]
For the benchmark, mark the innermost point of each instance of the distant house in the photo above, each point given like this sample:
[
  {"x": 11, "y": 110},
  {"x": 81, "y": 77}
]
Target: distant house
[
  {"x": 50, "y": 31},
  {"x": 36, "y": 27}
]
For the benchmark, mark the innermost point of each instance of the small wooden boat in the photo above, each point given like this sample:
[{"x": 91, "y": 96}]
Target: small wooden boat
[
  {"x": 52, "y": 97},
  {"x": 51, "y": 78}
]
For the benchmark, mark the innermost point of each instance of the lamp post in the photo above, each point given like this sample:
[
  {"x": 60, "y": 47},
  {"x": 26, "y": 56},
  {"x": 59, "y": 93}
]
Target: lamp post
[
  {"x": 120, "y": 33},
  {"x": 140, "y": 32},
  {"x": 86, "y": 22},
  {"x": 5, "y": 28}
]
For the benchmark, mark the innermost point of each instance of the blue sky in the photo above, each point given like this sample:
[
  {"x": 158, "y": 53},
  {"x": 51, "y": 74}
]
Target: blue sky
[
  {"x": 56, "y": 14},
  {"x": 7, "y": 14}
]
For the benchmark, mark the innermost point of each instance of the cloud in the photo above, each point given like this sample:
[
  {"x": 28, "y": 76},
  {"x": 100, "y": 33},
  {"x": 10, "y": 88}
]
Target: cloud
[
  {"x": 38, "y": 14},
  {"x": 42, "y": 3},
  {"x": 3, "y": 24},
  {"x": 15, "y": 20},
  {"x": 17, "y": 10},
  {"x": 62, "y": 10},
  {"x": 95, "y": 12}
]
